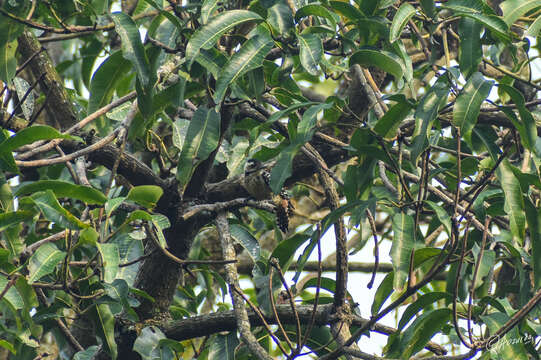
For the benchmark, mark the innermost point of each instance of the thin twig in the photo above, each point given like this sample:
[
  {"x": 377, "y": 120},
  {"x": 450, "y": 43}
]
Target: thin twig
[
  {"x": 232, "y": 278},
  {"x": 274, "y": 263}
]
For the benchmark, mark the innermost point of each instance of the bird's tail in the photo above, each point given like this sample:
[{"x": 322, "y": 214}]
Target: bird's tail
[{"x": 284, "y": 210}]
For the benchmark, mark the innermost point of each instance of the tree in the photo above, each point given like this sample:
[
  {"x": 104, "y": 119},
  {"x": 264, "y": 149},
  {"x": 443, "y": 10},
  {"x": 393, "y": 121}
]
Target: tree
[{"x": 125, "y": 223}]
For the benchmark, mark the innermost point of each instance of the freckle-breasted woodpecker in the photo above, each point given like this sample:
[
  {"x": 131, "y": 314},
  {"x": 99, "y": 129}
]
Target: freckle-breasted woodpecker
[{"x": 257, "y": 183}]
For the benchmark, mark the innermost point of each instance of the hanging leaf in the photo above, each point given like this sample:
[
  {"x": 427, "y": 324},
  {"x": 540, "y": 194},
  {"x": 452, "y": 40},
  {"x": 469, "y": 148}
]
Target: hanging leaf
[
  {"x": 401, "y": 18},
  {"x": 514, "y": 202},
  {"x": 201, "y": 140},
  {"x": 468, "y": 104},
  {"x": 250, "y": 56},
  {"x": 470, "y": 51},
  {"x": 403, "y": 245},
  {"x": 310, "y": 53}
]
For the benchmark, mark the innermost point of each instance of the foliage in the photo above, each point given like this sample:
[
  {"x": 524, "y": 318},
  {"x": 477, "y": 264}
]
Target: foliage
[{"x": 414, "y": 124}]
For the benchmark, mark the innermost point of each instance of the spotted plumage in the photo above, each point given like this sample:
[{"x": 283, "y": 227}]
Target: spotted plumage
[{"x": 257, "y": 183}]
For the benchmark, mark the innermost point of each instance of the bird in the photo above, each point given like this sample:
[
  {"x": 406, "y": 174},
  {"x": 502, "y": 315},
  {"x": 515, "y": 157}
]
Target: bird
[{"x": 257, "y": 183}]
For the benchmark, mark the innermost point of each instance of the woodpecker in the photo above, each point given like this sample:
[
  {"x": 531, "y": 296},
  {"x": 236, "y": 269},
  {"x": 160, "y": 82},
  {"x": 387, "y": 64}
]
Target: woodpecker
[{"x": 257, "y": 184}]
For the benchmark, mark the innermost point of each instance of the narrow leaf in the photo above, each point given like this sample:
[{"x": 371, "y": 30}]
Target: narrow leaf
[
  {"x": 250, "y": 56},
  {"x": 105, "y": 328},
  {"x": 514, "y": 202},
  {"x": 316, "y": 10},
  {"x": 426, "y": 113},
  {"x": 513, "y": 9},
  {"x": 533, "y": 217},
  {"x": 14, "y": 217},
  {"x": 106, "y": 79},
  {"x": 8, "y": 61},
  {"x": 388, "y": 124},
  {"x": 206, "y": 36},
  {"x": 403, "y": 244},
  {"x": 132, "y": 47},
  {"x": 243, "y": 236},
  {"x": 470, "y": 50},
  {"x": 201, "y": 139},
  {"x": 401, "y": 18},
  {"x": 280, "y": 18},
  {"x": 421, "y": 303},
  {"x": 468, "y": 103},
  {"x": 64, "y": 189},
  {"x": 282, "y": 169},
  {"x": 111, "y": 259}
]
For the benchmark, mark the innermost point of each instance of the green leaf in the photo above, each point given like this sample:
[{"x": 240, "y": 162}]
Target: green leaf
[
  {"x": 206, "y": 36},
  {"x": 29, "y": 135},
  {"x": 43, "y": 261},
  {"x": 534, "y": 28},
  {"x": 507, "y": 347},
  {"x": 132, "y": 47},
  {"x": 310, "y": 52},
  {"x": 316, "y": 10},
  {"x": 386, "y": 61},
  {"x": 421, "y": 303},
  {"x": 8, "y": 346},
  {"x": 528, "y": 127},
  {"x": 285, "y": 250},
  {"x": 8, "y": 61},
  {"x": 422, "y": 330},
  {"x": 111, "y": 259},
  {"x": 470, "y": 51},
  {"x": 388, "y": 124},
  {"x": 280, "y": 18},
  {"x": 14, "y": 217},
  {"x": 347, "y": 10},
  {"x": 468, "y": 104},
  {"x": 442, "y": 216},
  {"x": 403, "y": 245},
  {"x": 426, "y": 113},
  {"x": 382, "y": 293},
  {"x": 64, "y": 189},
  {"x": 250, "y": 56},
  {"x": 306, "y": 127},
  {"x": 283, "y": 113},
  {"x": 223, "y": 346},
  {"x": 145, "y": 195},
  {"x": 201, "y": 140},
  {"x": 472, "y": 10},
  {"x": 513, "y": 9},
  {"x": 533, "y": 218},
  {"x": 105, "y": 328},
  {"x": 401, "y": 18},
  {"x": 514, "y": 202},
  {"x": 207, "y": 9},
  {"x": 148, "y": 342},
  {"x": 428, "y": 7},
  {"x": 106, "y": 79},
  {"x": 282, "y": 169},
  {"x": 88, "y": 354},
  {"x": 53, "y": 211},
  {"x": 12, "y": 296},
  {"x": 243, "y": 236}
]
